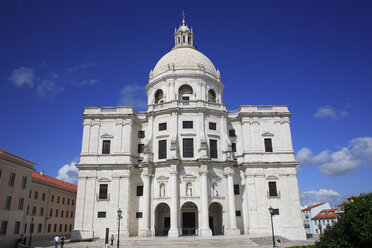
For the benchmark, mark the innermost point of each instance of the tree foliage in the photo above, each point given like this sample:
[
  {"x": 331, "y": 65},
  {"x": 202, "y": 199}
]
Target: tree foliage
[{"x": 354, "y": 226}]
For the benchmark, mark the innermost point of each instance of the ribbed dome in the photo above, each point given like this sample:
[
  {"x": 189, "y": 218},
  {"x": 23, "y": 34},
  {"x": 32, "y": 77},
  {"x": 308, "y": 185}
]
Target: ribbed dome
[{"x": 184, "y": 58}]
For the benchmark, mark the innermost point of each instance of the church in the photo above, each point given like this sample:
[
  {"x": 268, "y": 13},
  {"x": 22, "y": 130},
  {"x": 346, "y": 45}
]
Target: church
[{"x": 187, "y": 165}]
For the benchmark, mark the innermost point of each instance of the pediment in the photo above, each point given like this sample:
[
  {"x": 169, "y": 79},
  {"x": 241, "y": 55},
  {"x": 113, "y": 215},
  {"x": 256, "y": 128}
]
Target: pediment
[
  {"x": 189, "y": 177},
  {"x": 103, "y": 179},
  {"x": 162, "y": 178},
  {"x": 107, "y": 136},
  {"x": 215, "y": 178},
  {"x": 267, "y": 134},
  {"x": 271, "y": 177}
]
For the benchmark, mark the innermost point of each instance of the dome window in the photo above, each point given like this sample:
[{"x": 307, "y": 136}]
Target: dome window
[
  {"x": 211, "y": 96},
  {"x": 185, "y": 92},
  {"x": 159, "y": 97}
]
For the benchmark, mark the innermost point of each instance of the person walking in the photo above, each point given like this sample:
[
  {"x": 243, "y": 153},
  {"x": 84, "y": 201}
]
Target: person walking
[
  {"x": 62, "y": 241},
  {"x": 112, "y": 239},
  {"x": 56, "y": 241}
]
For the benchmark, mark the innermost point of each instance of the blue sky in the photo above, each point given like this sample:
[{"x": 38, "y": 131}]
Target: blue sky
[{"x": 56, "y": 57}]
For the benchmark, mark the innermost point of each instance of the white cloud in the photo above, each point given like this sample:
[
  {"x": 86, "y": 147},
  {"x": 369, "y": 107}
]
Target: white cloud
[
  {"x": 68, "y": 173},
  {"x": 48, "y": 88},
  {"x": 88, "y": 82},
  {"x": 328, "y": 111},
  {"x": 82, "y": 66},
  {"x": 343, "y": 161},
  {"x": 323, "y": 195},
  {"x": 22, "y": 76},
  {"x": 133, "y": 95}
]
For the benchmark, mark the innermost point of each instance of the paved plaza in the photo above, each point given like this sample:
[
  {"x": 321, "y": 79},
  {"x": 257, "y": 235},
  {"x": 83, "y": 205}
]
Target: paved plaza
[{"x": 189, "y": 241}]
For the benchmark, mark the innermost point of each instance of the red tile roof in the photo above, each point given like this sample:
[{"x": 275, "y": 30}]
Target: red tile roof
[
  {"x": 54, "y": 180},
  {"x": 313, "y": 206},
  {"x": 326, "y": 214}
]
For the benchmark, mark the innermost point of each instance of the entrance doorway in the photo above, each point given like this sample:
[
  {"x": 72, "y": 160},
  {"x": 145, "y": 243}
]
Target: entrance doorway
[
  {"x": 162, "y": 219},
  {"x": 215, "y": 219},
  {"x": 189, "y": 218}
]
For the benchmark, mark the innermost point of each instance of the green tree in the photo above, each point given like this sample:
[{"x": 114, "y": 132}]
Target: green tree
[{"x": 354, "y": 227}]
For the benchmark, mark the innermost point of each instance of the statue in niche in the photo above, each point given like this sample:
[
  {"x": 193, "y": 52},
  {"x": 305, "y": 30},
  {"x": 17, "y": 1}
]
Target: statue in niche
[
  {"x": 188, "y": 189},
  {"x": 215, "y": 189},
  {"x": 162, "y": 190}
]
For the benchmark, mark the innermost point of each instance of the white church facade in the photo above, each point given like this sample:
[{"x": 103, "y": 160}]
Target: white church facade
[{"x": 187, "y": 166}]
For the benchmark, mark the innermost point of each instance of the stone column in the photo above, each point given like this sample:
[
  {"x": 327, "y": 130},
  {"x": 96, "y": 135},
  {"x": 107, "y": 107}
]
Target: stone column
[
  {"x": 232, "y": 230},
  {"x": 204, "y": 228},
  {"x": 146, "y": 232},
  {"x": 174, "y": 229}
]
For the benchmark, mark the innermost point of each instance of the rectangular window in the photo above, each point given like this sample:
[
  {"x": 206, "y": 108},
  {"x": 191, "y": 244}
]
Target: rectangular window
[
  {"x": 162, "y": 149},
  {"x": 106, "y": 147},
  {"x": 51, "y": 212},
  {"x": 52, "y": 200},
  {"x": 49, "y": 227},
  {"x": 232, "y": 133},
  {"x": 212, "y": 126},
  {"x": 140, "y": 190},
  {"x": 72, "y": 214},
  {"x": 139, "y": 215},
  {"x": 68, "y": 201},
  {"x": 57, "y": 199},
  {"x": 268, "y": 145},
  {"x": 39, "y": 228},
  {"x": 62, "y": 213},
  {"x": 27, "y": 210},
  {"x": 17, "y": 226},
  {"x": 162, "y": 126},
  {"x": 29, "y": 194},
  {"x": 233, "y": 147},
  {"x": 188, "y": 148},
  {"x": 8, "y": 202},
  {"x": 65, "y": 227},
  {"x": 25, "y": 230},
  {"x": 272, "y": 189},
  {"x": 238, "y": 213},
  {"x": 141, "y": 148},
  {"x": 55, "y": 228},
  {"x": 41, "y": 211},
  {"x": 1, "y": 173},
  {"x": 43, "y": 197},
  {"x": 66, "y": 214},
  {"x": 36, "y": 195},
  {"x": 185, "y": 98},
  {"x": 4, "y": 225},
  {"x": 70, "y": 227},
  {"x": 187, "y": 124},
  {"x": 63, "y": 200},
  {"x": 32, "y": 228},
  {"x": 141, "y": 134},
  {"x": 33, "y": 211},
  {"x": 11, "y": 179},
  {"x": 101, "y": 215},
  {"x": 56, "y": 212},
  {"x": 21, "y": 202},
  {"x": 60, "y": 227},
  {"x": 72, "y": 202},
  {"x": 103, "y": 191},
  {"x": 24, "y": 182},
  {"x": 236, "y": 189},
  {"x": 213, "y": 148}
]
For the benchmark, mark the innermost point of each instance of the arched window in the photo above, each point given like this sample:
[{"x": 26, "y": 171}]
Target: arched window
[
  {"x": 185, "y": 92},
  {"x": 211, "y": 96},
  {"x": 159, "y": 97}
]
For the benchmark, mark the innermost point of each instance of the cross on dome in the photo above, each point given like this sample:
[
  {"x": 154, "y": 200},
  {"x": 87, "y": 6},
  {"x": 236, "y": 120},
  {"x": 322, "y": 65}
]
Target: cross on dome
[{"x": 183, "y": 36}]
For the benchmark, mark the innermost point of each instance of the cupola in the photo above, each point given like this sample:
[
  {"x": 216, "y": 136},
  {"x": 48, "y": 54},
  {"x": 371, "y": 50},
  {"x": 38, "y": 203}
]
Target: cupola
[{"x": 183, "y": 37}]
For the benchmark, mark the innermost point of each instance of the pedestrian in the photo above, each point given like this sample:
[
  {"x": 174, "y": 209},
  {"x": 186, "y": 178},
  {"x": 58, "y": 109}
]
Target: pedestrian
[
  {"x": 56, "y": 241},
  {"x": 62, "y": 241},
  {"x": 279, "y": 243},
  {"x": 112, "y": 239}
]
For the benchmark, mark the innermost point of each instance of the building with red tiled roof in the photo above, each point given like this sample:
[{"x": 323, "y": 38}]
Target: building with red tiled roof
[
  {"x": 51, "y": 208},
  {"x": 326, "y": 217},
  {"x": 310, "y": 212}
]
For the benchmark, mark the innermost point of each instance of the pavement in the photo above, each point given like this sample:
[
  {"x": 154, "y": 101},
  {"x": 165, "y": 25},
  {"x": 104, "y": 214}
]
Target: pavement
[{"x": 182, "y": 242}]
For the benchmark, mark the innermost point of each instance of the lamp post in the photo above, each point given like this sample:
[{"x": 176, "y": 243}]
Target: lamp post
[
  {"x": 31, "y": 229},
  {"x": 119, "y": 218},
  {"x": 271, "y": 211}
]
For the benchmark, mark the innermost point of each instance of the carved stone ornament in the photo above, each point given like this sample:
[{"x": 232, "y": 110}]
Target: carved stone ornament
[
  {"x": 214, "y": 178},
  {"x": 188, "y": 177},
  {"x": 271, "y": 177},
  {"x": 103, "y": 179},
  {"x": 107, "y": 136},
  {"x": 267, "y": 134},
  {"x": 162, "y": 178}
]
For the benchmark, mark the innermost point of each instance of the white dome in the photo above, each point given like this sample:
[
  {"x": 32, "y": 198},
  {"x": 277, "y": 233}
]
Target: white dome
[{"x": 184, "y": 58}]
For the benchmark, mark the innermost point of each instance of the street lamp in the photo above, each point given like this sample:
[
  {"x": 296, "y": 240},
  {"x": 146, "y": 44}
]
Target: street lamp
[
  {"x": 31, "y": 229},
  {"x": 271, "y": 211},
  {"x": 119, "y": 218}
]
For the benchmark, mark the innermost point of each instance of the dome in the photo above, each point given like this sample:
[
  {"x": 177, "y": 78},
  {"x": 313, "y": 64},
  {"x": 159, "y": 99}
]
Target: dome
[{"x": 184, "y": 58}]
